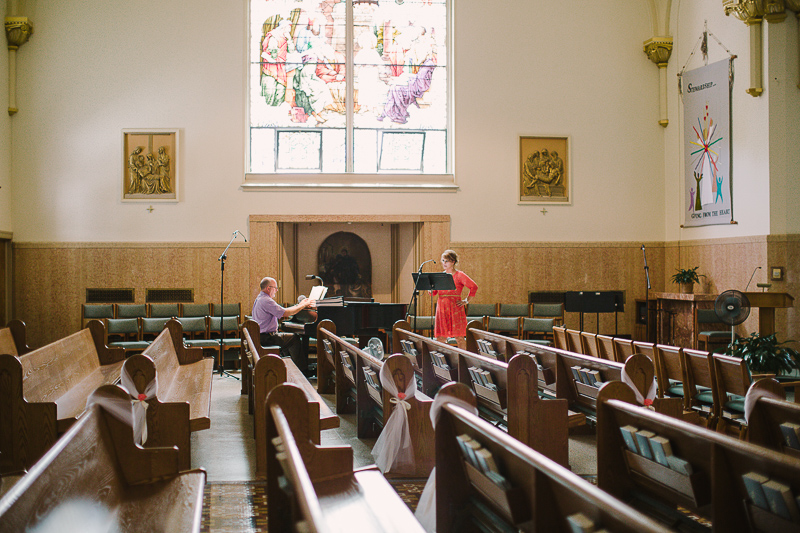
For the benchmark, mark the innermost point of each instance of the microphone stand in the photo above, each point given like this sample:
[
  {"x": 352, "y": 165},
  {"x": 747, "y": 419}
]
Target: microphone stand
[
  {"x": 221, "y": 260},
  {"x": 414, "y": 299},
  {"x": 646, "y": 295}
]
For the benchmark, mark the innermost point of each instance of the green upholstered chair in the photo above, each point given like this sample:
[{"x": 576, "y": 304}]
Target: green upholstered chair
[
  {"x": 230, "y": 309},
  {"x": 230, "y": 335},
  {"x": 196, "y": 334},
  {"x": 163, "y": 311},
  {"x": 505, "y": 325},
  {"x": 125, "y": 333},
  {"x": 554, "y": 311},
  {"x": 422, "y": 324},
  {"x": 152, "y": 327},
  {"x": 96, "y": 311},
  {"x": 711, "y": 339},
  {"x": 194, "y": 310},
  {"x": 131, "y": 310},
  {"x": 479, "y": 312},
  {"x": 538, "y": 330},
  {"x": 514, "y": 310}
]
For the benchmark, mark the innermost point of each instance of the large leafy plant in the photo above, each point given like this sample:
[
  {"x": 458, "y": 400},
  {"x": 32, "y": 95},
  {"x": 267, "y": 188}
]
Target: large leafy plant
[
  {"x": 686, "y": 275},
  {"x": 763, "y": 354}
]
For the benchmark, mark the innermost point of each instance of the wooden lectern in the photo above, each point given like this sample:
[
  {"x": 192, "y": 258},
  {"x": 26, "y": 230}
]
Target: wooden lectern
[{"x": 767, "y": 302}]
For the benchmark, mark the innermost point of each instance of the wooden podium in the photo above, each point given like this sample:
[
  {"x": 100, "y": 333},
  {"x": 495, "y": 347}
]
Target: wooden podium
[{"x": 767, "y": 302}]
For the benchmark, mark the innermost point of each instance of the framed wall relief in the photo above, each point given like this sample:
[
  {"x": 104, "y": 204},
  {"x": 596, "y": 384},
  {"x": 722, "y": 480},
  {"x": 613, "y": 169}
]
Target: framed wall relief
[
  {"x": 150, "y": 165},
  {"x": 544, "y": 170}
]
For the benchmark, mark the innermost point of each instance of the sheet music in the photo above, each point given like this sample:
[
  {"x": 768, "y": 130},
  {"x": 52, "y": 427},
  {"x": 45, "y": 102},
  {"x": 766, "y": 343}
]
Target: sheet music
[{"x": 318, "y": 292}]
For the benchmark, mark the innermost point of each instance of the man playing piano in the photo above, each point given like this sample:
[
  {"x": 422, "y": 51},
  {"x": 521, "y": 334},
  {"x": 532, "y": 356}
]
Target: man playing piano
[{"x": 267, "y": 312}]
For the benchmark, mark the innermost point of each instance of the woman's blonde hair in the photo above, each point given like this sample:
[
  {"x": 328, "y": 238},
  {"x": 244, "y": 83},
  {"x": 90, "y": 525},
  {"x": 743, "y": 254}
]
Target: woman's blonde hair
[{"x": 451, "y": 256}]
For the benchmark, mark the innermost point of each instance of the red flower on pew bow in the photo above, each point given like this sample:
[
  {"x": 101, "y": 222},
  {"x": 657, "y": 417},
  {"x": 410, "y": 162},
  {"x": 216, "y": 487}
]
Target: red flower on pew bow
[
  {"x": 401, "y": 395},
  {"x": 648, "y": 402},
  {"x": 141, "y": 397}
]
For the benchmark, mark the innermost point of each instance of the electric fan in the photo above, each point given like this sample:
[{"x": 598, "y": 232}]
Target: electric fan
[
  {"x": 732, "y": 308},
  {"x": 376, "y": 348}
]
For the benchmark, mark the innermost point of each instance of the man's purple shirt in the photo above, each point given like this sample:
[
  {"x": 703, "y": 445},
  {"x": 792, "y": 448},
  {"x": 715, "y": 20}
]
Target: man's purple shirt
[{"x": 266, "y": 312}]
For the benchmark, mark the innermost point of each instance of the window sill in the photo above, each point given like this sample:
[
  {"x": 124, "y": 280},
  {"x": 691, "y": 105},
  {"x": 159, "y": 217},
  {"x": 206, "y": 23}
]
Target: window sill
[{"x": 350, "y": 182}]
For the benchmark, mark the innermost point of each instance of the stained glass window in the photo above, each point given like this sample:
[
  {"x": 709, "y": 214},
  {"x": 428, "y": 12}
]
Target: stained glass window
[{"x": 348, "y": 86}]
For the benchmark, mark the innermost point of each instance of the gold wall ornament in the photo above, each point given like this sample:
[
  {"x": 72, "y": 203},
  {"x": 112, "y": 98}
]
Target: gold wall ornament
[
  {"x": 751, "y": 12},
  {"x": 659, "y": 50},
  {"x": 794, "y": 5},
  {"x": 18, "y": 31},
  {"x": 150, "y": 161}
]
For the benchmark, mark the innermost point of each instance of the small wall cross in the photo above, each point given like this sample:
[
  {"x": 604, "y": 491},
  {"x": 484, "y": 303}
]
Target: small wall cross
[
  {"x": 150, "y": 209},
  {"x": 544, "y": 211}
]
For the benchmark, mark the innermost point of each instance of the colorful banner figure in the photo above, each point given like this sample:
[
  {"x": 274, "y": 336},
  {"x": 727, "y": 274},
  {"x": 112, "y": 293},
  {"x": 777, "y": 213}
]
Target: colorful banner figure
[{"x": 707, "y": 112}]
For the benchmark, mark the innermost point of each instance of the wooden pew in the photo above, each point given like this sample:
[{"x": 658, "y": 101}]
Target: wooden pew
[
  {"x": 372, "y": 404},
  {"x": 167, "y": 422},
  {"x": 268, "y": 371},
  {"x": 764, "y": 427},
  {"x": 13, "y": 338},
  {"x": 250, "y": 352},
  {"x": 541, "y": 424},
  {"x": 184, "y": 375},
  {"x": 323, "y": 491},
  {"x": 700, "y": 386},
  {"x": 561, "y": 382},
  {"x": 44, "y": 391},
  {"x": 326, "y": 359},
  {"x": 143, "y": 489},
  {"x": 540, "y": 495},
  {"x": 712, "y": 486}
]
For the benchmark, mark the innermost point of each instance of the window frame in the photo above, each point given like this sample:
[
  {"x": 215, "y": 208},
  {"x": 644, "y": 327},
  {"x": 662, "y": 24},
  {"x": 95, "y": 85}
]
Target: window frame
[{"x": 354, "y": 181}]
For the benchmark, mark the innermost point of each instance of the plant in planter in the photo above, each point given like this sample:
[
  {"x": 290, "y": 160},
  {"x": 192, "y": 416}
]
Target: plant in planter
[
  {"x": 763, "y": 354},
  {"x": 686, "y": 278}
]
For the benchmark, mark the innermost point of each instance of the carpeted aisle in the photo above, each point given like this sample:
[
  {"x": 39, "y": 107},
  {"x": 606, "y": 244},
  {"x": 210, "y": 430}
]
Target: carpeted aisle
[{"x": 241, "y": 507}]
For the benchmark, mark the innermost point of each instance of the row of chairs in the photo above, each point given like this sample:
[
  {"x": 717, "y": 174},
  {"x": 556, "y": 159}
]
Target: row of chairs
[
  {"x": 169, "y": 310},
  {"x": 539, "y": 330},
  {"x": 602, "y": 346},
  {"x": 522, "y": 321},
  {"x": 711, "y": 385},
  {"x": 134, "y": 335}
]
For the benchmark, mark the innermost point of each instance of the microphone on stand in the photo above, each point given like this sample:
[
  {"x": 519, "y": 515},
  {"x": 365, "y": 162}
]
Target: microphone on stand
[
  {"x": 237, "y": 232},
  {"x": 751, "y": 277},
  {"x": 425, "y": 263},
  {"x": 312, "y": 276}
]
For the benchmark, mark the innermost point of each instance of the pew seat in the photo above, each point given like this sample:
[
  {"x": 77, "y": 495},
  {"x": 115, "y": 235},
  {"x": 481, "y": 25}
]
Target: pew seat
[
  {"x": 265, "y": 371},
  {"x": 184, "y": 375},
  {"x": 45, "y": 391},
  {"x": 137, "y": 489},
  {"x": 321, "y": 491}
]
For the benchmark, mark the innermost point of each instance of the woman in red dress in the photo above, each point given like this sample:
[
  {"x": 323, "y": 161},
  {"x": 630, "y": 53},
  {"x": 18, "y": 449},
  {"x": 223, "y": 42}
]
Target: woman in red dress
[{"x": 451, "y": 319}]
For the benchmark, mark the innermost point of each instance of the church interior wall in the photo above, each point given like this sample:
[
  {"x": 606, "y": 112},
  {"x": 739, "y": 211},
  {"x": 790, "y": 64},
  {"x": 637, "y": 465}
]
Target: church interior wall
[{"x": 162, "y": 66}]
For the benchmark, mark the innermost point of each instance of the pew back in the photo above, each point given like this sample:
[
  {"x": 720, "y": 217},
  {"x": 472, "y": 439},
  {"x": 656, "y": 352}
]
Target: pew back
[
  {"x": 142, "y": 489},
  {"x": 707, "y": 468},
  {"x": 540, "y": 495}
]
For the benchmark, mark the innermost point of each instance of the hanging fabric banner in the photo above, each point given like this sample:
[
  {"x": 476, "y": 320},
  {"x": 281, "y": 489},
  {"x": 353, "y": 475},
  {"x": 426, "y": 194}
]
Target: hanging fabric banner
[{"x": 706, "y": 113}]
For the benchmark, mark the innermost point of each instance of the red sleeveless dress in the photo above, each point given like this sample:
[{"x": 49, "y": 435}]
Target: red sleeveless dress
[{"x": 451, "y": 320}]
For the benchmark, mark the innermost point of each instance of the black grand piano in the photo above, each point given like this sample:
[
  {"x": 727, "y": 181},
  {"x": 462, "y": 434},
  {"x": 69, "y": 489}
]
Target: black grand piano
[{"x": 360, "y": 317}]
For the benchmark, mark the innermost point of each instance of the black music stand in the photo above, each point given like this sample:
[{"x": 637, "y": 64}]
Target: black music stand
[
  {"x": 594, "y": 302},
  {"x": 429, "y": 281}
]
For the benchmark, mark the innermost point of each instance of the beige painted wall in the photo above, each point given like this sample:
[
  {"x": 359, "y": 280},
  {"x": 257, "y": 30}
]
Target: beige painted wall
[
  {"x": 6, "y": 224},
  {"x": 592, "y": 83}
]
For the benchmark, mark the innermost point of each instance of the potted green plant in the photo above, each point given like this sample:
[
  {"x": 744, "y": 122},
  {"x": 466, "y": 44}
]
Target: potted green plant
[
  {"x": 763, "y": 354},
  {"x": 686, "y": 278}
]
